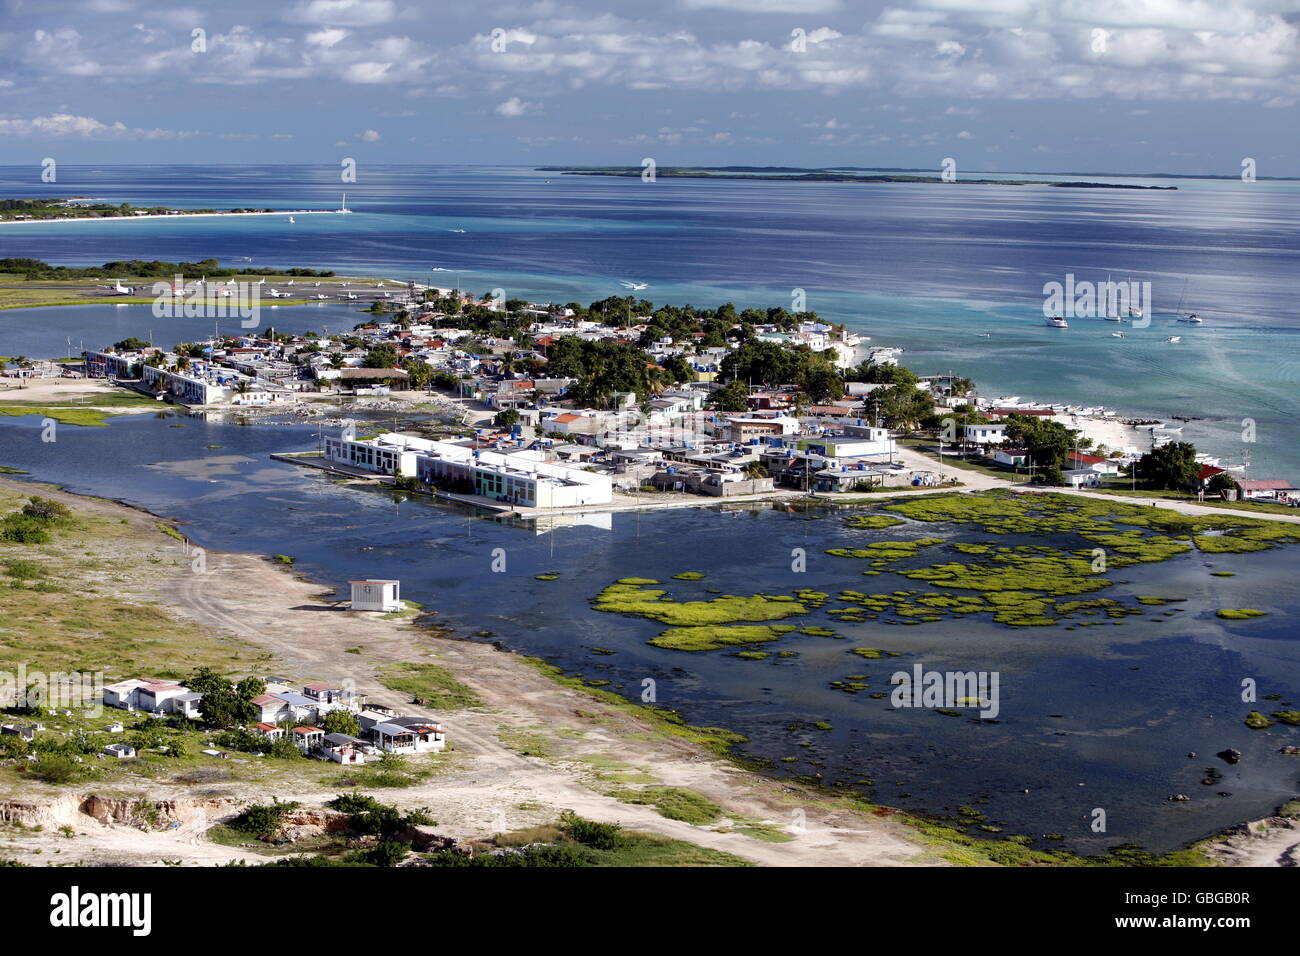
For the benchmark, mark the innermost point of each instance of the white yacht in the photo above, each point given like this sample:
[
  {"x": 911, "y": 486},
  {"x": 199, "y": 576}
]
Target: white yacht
[
  {"x": 1117, "y": 335},
  {"x": 1056, "y": 322},
  {"x": 1175, "y": 339},
  {"x": 1191, "y": 319}
]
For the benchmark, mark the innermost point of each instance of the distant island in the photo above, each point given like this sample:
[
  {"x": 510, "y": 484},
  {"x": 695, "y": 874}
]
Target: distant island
[
  {"x": 798, "y": 174},
  {"x": 63, "y": 210}
]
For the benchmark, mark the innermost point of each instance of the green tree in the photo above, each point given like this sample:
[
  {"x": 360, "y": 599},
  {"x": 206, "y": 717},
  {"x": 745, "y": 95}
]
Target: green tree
[
  {"x": 1170, "y": 466},
  {"x": 1220, "y": 483},
  {"x": 730, "y": 398},
  {"x": 341, "y": 722}
]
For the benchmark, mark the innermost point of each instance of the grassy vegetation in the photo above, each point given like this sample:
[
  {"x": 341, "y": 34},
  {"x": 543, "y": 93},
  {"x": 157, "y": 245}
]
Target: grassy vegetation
[
  {"x": 675, "y": 803},
  {"x": 93, "y": 608},
  {"x": 435, "y": 685},
  {"x": 85, "y": 417}
]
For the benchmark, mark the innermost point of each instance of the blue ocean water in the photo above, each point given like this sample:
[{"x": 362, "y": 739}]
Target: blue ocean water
[
  {"x": 952, "y": 273},
  {"x": 1103, "y": 716}
]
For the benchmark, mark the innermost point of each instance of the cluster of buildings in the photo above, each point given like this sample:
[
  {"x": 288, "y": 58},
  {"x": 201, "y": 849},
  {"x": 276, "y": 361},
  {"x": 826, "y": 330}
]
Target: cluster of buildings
[
  {"x": 285, "y": 713},
  {"x": 1084, "y": 470}
]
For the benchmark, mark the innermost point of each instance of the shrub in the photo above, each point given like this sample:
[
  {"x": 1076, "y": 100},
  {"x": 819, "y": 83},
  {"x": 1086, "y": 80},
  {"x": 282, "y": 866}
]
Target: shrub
[
  {"x": 598, "y": 836},
  {"x": 262, "y": 819}
]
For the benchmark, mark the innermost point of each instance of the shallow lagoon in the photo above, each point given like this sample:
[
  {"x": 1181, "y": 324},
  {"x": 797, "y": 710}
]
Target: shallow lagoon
[{"x": 1132, "y": 697}]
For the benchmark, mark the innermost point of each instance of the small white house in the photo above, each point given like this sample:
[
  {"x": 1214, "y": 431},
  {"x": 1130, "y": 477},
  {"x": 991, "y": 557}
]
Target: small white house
[
  {"x": 120, "y": 751},
  {"x": 376, "y": 595},
  {"x": 986, "y": 434},
  {"x": 409, "y": 735}
]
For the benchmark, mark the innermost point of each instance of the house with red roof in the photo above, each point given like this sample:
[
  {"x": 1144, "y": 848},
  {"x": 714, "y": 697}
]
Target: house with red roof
[{"x": 1267, "y": 489}]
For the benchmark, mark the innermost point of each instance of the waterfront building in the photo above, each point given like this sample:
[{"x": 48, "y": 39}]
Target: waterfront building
[{"x": 524, "y": 477}]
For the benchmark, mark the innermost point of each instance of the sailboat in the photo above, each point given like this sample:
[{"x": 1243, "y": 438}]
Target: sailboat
[
  {"x": 1110, "y": 316},
  {"x": 1191, "y": 318},
  {"x": 1133, "y": 311}
]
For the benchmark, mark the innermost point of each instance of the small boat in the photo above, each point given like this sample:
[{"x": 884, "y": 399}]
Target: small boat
[
  {"x": 1134, "y": 313},
  {"x": 291, "y": 219},
  {"x": 1114, "y": 318},
  {"x": 455, "y": 230},
  {"x": 1056, "y": 322},
  {"x": 1192, "y": 319},
  {"x": 1117, "y": 335},
  {"x": 1175, "y": 339}
]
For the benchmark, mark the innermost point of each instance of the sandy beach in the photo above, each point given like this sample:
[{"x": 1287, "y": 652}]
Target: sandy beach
[{"x": 182, "y": 215}]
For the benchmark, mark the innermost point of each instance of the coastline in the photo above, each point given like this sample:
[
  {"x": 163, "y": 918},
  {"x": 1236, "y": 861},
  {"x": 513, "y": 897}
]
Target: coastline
[
  {"x": 540, "y": 740},
  {"x": 180, "y": 215}
]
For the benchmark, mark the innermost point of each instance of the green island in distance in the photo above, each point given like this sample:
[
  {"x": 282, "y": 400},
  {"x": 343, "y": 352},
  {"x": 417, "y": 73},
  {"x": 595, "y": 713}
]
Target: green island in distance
[{"x": 799, "y": 174}]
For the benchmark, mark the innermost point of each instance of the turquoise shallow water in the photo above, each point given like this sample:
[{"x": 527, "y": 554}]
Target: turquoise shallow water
[{"x": 927, "y": 267}]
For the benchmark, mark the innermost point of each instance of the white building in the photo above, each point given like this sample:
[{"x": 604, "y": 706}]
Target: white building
[
  {"x": 985, "y": 434},
  {"x": 410, "y": 735},
  {"x": 376, "y": 595},
  {"x": 524, "y": 478},
  {"x": 152, "y": 696}
]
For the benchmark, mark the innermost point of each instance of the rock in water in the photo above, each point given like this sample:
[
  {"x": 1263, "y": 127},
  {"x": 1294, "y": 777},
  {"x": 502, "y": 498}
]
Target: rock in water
[{"x": 1229, "y": 756}]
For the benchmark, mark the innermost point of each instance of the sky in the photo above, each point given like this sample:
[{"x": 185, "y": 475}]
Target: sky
[{"x": 1175, "y": 86}]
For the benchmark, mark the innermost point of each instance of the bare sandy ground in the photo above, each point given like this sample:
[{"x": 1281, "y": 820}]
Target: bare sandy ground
[
  {"x": 59, "y": 391},
  {"x": 488, "y": 785}
]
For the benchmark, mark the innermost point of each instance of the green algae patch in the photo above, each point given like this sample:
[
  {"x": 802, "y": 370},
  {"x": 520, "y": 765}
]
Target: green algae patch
[
  {"x": 636, "y": 582},
  {"x": 1223, "y": 574},
  {"x": 753, "y": 655},
  {"x": 1257, "y": 721},
  {"x": 689, "y": 576},
  {"x": 713, "y": 637},
  {"x": 1291, "y": 717},
  {"x": 815, "y": 631},
  {"x": 1238, "y": 613},
  {"x": 624, "y": 597},
  {"x": 873, "y": 522},
  {"x": 547, "y": 576}
]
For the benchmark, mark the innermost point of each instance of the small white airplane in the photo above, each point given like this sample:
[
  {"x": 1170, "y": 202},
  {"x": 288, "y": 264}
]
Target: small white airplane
[
  {"x": 379, "y": 285},
  {"x": 290, "y": 282},
  {"x": 262, "y": 281},
  {"x": 634, "y": 286},
  {"x": 119, "y": 289},
  {"x": 319, "y": 295},
  {"x": 348, "y": 295},
  {"x": 277, "y": 294}
]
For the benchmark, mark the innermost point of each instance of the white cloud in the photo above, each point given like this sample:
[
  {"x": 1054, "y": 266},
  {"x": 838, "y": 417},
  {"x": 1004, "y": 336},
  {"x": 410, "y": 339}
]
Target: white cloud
[
  {"x": 329, "y": 37},
  {"x": 764, "y": 6},
  {"x": 515, "y": 107},
  {"x": 348, "y": 13},
  {"x": 370, "y": 136},
  {"x": 69, "y": 126}
]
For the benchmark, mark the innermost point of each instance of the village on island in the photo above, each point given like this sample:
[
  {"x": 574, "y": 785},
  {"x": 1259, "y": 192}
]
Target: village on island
[{"x": 554, "y": 408}]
